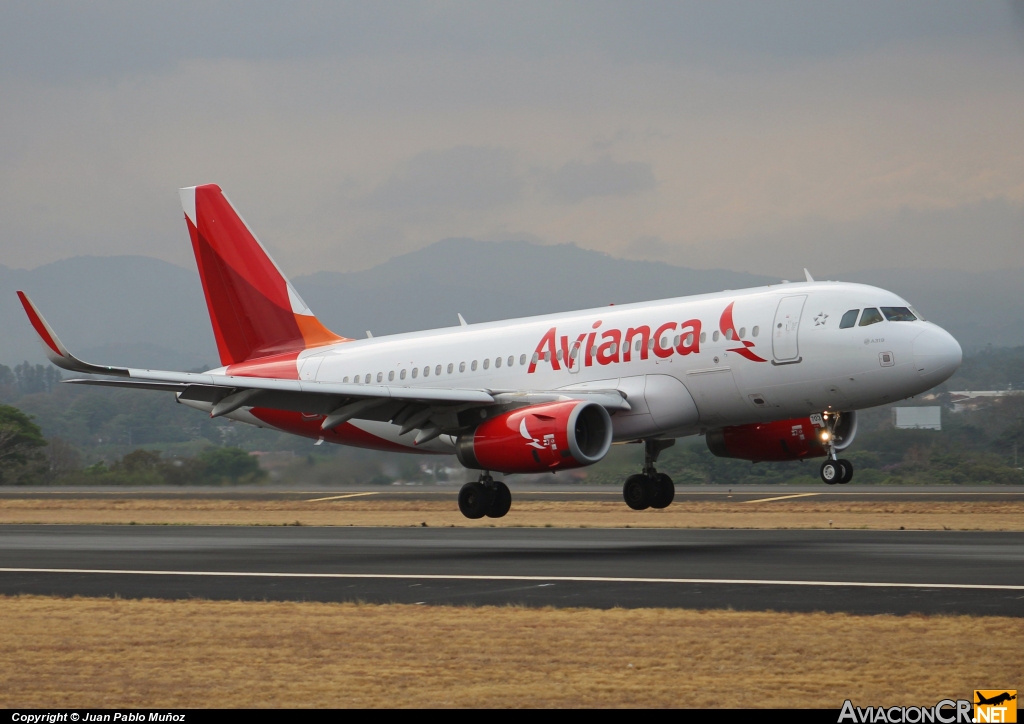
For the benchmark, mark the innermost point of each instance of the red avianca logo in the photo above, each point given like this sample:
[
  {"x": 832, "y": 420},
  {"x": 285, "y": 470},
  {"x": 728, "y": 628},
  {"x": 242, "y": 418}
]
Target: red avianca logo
[{"x": 613, "y": 345}]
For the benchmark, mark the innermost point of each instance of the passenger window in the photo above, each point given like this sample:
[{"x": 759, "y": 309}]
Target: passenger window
[
  {"x": 437, "y": 370},
  {"x": 754, "y": 332},
  {"x": 401, "y": 374},
  {"x": 743, "y": 332},
  {"x": 849, "y": 319},
  {"x": 898, "y": 314},
  {"x": 415, "y": 372},
  {"x": 870, "y": 316},
  {"x": 380, "y": 376},
  {"x": 473, "y": 367},
  {"x": 487, "y": 363},
  {"x": 714, "y": 337},
  {"x": 522, "y": 359},
  {"x": 511, "y": 360},
  {"x": 704, "y": 336},
  {"x": 346, "y": 379},
  {"x": 367, "y": 378},
  {"x": 426, "y": 371},
  {"x": 450, "y": 367},
  {"x": 462, "y": 366},
  {"x": 391, "y": 376},
  {"x": 497, "y": 361},
  {"x": 558, "y": 355},
  {"x": 636, "y": 347}
]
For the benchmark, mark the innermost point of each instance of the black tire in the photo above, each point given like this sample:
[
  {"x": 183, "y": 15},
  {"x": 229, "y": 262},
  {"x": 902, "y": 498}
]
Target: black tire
[
  {"x": 664, "y": 491},
  {"x": 637, "y": 492},
  {"x": 501, "y": 500},
  {"x": 847, "y": 471},
  {"x": 474, "y": 499},
  {"x": 831, "y": 472}
]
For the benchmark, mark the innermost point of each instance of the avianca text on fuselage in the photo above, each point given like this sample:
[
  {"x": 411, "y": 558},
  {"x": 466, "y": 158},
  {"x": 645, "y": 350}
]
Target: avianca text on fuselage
[{"x": 612, "y": 346}]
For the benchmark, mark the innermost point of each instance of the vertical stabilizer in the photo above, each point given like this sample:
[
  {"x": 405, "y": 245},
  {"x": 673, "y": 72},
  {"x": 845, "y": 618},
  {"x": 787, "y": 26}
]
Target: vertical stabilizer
[{"x": 254, "y": 309}]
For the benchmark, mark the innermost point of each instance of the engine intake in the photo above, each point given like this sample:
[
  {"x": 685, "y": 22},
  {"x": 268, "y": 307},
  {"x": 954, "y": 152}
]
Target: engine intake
[{"x": 539, "y": 438}]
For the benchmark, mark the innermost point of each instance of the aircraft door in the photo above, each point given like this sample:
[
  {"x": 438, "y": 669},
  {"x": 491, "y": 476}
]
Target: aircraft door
[
  {"x": 309, "y": 367},
  {"x": 575, "y": 360},
  {"x": 785, "y": 344}
]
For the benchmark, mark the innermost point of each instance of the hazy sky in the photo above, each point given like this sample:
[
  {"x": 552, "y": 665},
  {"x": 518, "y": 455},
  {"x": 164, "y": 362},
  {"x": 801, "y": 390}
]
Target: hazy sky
[{"x": 754, "y": 136}]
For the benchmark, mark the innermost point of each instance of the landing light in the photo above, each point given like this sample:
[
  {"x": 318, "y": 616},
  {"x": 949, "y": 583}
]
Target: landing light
[{"x": 824, "y": 436}]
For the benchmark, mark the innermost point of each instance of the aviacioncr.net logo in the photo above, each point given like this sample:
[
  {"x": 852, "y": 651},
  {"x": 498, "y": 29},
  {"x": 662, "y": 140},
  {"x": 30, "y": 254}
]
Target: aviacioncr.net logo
[{"x": 946, "y": 711}]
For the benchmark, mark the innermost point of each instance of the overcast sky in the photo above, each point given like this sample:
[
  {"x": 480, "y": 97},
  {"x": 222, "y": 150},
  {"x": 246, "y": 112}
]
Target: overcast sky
[{"x": 754, "y": 136}]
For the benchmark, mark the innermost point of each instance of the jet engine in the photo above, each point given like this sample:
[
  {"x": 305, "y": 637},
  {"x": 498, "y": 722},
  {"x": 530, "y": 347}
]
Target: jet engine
[
  {"x": 782, "y": 440},
  {"x": 539, "y": 438}
]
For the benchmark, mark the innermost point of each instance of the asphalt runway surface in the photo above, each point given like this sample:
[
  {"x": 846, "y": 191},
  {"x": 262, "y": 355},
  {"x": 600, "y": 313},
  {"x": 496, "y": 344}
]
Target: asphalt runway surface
[
  {"x": 863, "y": 572},
  {"x": 526, "y": 491}
]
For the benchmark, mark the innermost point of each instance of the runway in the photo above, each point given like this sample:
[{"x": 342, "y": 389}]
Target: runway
[
  {"x": 534, "y": 492},
  {"x": 863, "y": 572}
]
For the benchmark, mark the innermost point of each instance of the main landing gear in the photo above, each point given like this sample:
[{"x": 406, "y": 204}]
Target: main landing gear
[
  {"x": 650, "y": 489},
  {"x": 834, "y": 470},
  {"x": 486, "y": 496}
]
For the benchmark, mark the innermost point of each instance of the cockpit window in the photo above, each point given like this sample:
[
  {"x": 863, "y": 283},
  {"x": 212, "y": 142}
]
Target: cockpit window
[
  {"x": 899, "y": 314},
  {"x": 849, "y": 319},
  {"x": 870, "y": 316}
]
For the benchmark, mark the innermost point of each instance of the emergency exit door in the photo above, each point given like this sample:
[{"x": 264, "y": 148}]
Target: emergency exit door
[{"x": 786, "y": 329}]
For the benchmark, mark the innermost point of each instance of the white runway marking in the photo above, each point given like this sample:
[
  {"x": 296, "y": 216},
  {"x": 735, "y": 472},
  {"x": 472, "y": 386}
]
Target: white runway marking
[
  {"x": 339, "y": 497},
  {"x": 552, "y": 579},
  {"x": 781, "y": 497}
]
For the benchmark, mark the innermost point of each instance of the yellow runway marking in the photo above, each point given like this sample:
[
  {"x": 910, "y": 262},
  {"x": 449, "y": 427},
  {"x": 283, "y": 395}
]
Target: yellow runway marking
[
  {"x": 781, "y": 497},
  {"x": 339, "y": 497}
]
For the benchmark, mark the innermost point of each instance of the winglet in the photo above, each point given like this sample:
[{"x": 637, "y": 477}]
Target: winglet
[
  {"x": 807, "y": 275},
  {"x": 462, "y": 321},
  {"x": 55, "y": 351}
]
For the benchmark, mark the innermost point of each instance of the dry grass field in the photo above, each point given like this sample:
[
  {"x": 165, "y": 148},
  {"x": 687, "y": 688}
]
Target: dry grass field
[
  {"x": 605, "y": 512},
  {"x": 129, "y": 653}
]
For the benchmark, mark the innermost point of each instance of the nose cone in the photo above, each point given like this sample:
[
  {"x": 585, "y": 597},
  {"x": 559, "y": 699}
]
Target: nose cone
[{"x": 936, "y": 355}]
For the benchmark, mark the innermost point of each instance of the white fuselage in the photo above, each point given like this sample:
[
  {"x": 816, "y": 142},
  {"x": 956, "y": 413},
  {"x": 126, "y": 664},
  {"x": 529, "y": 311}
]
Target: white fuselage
[{"x": 787, "y": 357}]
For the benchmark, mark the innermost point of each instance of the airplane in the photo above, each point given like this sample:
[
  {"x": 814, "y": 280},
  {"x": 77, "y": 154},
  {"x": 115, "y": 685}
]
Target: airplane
[
  {"x": 765, "y": 374},
  {"x": 995, "y": 700}
]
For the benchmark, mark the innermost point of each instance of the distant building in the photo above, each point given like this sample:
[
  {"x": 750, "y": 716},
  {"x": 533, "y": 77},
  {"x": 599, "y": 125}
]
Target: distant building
[
  {"x": 917, "y": 418},
  {"x": 973, "y": 399}
]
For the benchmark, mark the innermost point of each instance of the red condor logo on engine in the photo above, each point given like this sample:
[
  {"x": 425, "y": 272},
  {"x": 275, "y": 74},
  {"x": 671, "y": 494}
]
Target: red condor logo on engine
[{"x": 612, "y": 346}]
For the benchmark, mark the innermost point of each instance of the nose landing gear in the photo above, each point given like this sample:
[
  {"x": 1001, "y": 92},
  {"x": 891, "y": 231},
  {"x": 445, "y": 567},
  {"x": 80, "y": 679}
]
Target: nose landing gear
[
  {"x": 834, "y": 470},
  {"x": 486, "y": 497},
  {"x": 650, "y": 489}
]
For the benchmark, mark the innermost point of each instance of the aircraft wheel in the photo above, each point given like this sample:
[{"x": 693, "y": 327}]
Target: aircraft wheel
[
  {"x": 501, "y": 500},
  {"x": 663, "y": 491},
  {"x": 831, "y": 472},
  {"x": 474, "y": 499},
  {"x": 637, "y": 492},
  {"x": 847, "y": 471}
]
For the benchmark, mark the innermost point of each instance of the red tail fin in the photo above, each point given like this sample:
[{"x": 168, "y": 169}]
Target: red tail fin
[{"x": 255, "y": 311}]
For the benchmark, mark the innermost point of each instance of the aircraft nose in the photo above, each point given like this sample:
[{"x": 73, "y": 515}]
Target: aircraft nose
[{"x": 936, "y": 355}]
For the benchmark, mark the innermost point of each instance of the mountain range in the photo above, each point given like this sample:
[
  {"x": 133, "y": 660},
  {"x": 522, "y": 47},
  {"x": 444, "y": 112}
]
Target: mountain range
[{"x": 141, "y": 311}]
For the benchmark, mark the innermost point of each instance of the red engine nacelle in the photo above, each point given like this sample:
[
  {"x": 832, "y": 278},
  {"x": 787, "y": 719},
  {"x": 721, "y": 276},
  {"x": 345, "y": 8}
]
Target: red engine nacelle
[
  {"x": 539, "y": 438},
  {"x": 780, "y": 440}
]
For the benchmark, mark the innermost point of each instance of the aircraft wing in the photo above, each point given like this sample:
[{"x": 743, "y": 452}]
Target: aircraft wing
[{"x": 413, "y": 407}]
